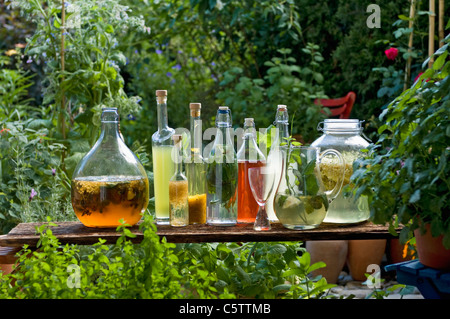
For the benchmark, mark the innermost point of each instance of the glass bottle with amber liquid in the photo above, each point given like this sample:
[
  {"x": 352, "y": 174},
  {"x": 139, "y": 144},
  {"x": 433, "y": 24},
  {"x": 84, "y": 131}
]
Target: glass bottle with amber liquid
[
  {"x": 109, "y": 185},
  {"x": 248, "y": 156},
  {"x": 196, "y": 168},
  {"x": 178, "y": 187}
]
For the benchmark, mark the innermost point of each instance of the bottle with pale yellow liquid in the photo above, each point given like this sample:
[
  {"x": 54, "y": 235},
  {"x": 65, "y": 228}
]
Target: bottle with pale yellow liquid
[
  {"x": 163, "y": 164},
  {"x": 109, "y": 185},
  {"x": 196, "y": 168}
]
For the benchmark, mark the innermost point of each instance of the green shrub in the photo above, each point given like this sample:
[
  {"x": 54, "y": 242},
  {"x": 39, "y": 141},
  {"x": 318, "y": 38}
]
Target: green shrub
[{"x": 157, "y": 269}]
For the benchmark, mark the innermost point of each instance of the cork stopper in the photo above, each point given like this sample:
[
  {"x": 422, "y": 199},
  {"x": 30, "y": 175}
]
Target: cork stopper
[
  {"x": 249, "y": 121},
  {"x": 282, "y": 107},
  {"x": 177, "y": 138},
  {"x": 195, "y": 106},
  {"x": 161, "y": 93},
  {"x": 223, "y": 108}
]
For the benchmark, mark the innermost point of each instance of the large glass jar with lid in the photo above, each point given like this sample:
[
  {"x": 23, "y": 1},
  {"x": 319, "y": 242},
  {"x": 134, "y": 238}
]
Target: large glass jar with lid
[
  {"x": 345, "y": 136},
  {"x": 109, "y": 184}
]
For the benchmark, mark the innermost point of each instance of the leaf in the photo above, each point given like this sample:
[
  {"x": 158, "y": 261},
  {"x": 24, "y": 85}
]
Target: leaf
[
  {"x": 439, "y": 62},
  {"x": 414, "y": 197},
  {"x": 277, "y": 249}
]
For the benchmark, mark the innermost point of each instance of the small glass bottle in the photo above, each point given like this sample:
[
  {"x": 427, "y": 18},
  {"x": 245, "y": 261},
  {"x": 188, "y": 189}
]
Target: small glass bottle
[
  {"x": 248, "y": 156},
  {"x": 196, "y": 169},
  {"x": 163, "y": 166},
  {"x": 275, "y": 157},
  {"x": 345, "y": 136},
  {"x": 178, "y": 188},
  {"x": 222, "y": 174},
  {"x": 109, "y": 183}
]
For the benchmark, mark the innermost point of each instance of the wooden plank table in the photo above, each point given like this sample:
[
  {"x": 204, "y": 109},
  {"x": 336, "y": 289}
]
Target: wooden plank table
[{"x": 77, "y": 233}]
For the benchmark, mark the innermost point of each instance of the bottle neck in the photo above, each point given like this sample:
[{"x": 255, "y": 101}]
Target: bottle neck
[
  {"x": 178, "y": 160},
  {"x": 282, "y": 125},
  {"x": 110, "y": 132},
  {"x": 249, "y": 150},
  {"x": 223, "y": 135},
  {"x": 161, "y": 102},
  {"x": 196, "y": 132}
]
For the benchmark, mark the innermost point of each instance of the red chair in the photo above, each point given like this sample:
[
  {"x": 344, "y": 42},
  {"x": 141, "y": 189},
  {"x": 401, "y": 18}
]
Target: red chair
[{"x": 341, "y": 107}]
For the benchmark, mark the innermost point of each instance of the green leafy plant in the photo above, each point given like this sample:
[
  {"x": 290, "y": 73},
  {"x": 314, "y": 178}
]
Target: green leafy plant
[
  {"x": 285, "y": 82},
  {"x": 157, "y": 269},
  {"x": 77, "y": 42},
  {"x": 406, "y": 173},
  {"x": 32, "y": 183},
  {"x": 104, "y": 271},
  {"x": 14, "y": 85}
]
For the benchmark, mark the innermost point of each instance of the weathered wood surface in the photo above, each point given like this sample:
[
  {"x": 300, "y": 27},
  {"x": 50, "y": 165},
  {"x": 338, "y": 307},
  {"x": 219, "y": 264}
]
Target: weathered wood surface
[{"x": 77, "y": 233}]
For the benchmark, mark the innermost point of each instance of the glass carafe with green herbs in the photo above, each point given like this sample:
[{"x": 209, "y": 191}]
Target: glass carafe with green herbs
[
  {"x": 302, "y": 202},
  {"x": 345, "y": 136},
  {"x": 109, "y": 184},
  {"x": 222, "y": 174}
]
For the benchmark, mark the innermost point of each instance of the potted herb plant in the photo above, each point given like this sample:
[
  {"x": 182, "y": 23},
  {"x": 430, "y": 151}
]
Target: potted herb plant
[{"x": 406, "y": 172}]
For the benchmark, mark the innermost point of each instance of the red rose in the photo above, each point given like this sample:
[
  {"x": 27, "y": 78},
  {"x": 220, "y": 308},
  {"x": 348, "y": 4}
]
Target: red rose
[{"x": 391, "y": 53}]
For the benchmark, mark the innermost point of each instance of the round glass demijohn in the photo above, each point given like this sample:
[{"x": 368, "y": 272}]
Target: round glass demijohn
[
  {"x": 109, "y": 184},
  {"x": 343, "y": 135}
]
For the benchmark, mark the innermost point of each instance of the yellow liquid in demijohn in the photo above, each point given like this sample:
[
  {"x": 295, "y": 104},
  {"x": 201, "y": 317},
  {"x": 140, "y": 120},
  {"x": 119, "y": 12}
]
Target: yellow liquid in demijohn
[{"x": 163, "y": 169}]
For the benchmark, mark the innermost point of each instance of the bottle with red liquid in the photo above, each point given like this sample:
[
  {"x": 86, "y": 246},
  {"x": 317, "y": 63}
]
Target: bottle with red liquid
[{"x": 248, "y": 156}]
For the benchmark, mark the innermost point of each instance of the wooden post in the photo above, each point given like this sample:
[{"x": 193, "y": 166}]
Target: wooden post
[
  {"x": 412, "y": 13},
  {"x": 441, "y": 22},
  {"x": 431, "y": 27},
  {"x": 62, "y": 117}
]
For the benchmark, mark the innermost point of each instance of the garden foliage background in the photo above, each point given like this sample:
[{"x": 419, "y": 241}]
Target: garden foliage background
[
  {"x": 61, "y": 64},
  {"x": 249, "y": 55}
]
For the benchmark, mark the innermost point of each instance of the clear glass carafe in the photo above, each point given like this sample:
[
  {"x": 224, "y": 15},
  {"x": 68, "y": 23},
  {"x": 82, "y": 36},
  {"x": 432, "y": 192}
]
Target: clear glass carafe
[
  {"x": 222, "y": 174},
  {"x": 343, "y": 135},
  {"x": 109, "y": 183},
  {"x": 163, "y": 165},
  {"x": 196, "y": 168},
  {"x": 302, "y": 202},
  {"x": 248, "y": 156}
]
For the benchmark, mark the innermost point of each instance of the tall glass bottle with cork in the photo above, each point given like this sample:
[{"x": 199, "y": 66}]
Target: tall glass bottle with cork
[
  {"x": 222, "y": 174},
  {"x": 196, "y": 169},
  {"x": 248, "y": 156},
  {"x": 275, "y": 158},
  {"x": 163, "y": 164}
]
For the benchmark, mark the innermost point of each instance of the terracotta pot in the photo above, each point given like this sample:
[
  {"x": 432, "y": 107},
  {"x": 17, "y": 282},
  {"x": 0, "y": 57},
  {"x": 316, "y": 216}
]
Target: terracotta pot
[
  {"x": 361, "y": 254},
  {"x": 333, "y": 253},
  {"x": 395, "y": 250},
  {"x": 431, "y": 251}
]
